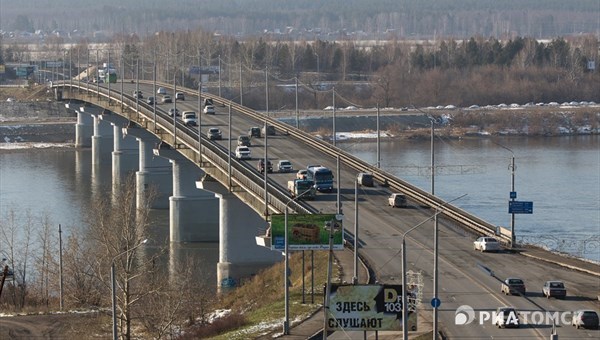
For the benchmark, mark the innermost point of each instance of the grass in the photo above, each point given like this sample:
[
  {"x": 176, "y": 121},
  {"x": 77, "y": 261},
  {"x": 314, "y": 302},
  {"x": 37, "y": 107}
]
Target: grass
[{"x": 261, "y": 299}]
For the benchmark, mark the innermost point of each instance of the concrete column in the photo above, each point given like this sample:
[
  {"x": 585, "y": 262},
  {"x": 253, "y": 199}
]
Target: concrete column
[
  {"x": 125, "y": 151},
  {"x": 194, "y": 215},
  {"x": 239, "y": 255},
  {"x": 101, "y": 140},
  {"x": 84, "y": 129},
  {"x": 154, "y": 176}
]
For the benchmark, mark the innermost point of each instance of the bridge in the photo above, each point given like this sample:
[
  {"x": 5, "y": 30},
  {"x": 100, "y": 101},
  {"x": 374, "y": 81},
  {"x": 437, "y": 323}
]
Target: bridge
[{"x": 248, "y": 198}]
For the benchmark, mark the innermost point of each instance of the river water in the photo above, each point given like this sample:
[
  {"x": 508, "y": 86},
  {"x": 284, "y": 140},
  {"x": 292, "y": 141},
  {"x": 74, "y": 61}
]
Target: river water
[{"x": 560, "y": 175}]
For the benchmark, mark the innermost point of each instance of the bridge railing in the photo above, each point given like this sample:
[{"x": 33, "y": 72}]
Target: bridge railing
[
  {"x": 280, "y": 194},
  {"x": 217, "y": 155}
]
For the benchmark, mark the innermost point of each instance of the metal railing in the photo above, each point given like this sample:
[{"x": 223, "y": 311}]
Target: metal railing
[{"x": 243, "y": 176}]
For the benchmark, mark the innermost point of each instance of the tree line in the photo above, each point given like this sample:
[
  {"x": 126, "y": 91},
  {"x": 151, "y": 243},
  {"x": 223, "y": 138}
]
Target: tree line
[{"x": 398, "y": 73}]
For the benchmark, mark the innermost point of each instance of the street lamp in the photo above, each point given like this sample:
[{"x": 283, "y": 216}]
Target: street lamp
[
  {"x": 113, "y": 286},
  {"x": 286, "y": 321},
  {"x": 513, "y": 194},
  {"x": 403, "y": 249}
]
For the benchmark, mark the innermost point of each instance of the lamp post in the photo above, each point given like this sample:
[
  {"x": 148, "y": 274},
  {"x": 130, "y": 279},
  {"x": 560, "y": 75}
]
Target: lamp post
[
  {"x": 286, "y": 320},
  {"x": 114, "y": 284},
  {"x": 404, "y": 300},
  {"x": 513, "y": 193}
]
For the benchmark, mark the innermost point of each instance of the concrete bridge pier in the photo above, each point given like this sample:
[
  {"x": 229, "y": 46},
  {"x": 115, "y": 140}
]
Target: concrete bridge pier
[
  {"x": 194, "y": 214},
  {"x": 125, "y": 154},
  {"x": 154, "y": 175},
  {"x": 84, "y": 129},
  {"x": 101, "y": 139},
  {"x": 239, "y": 255}
]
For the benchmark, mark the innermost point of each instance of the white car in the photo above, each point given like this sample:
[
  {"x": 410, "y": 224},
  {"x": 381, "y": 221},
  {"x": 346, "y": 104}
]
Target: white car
[
  {"x": 189, "y": 118},
  {"x": 209, "y": 110},
  {"x": 161, "y": 90},
  {"x": 285, "y": 166},
  {"x": 486, "y": 243},
  {"x": 242, "y": 152}
]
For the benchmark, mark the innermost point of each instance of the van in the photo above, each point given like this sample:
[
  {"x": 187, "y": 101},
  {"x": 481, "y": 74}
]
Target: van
[
  {"x": 397, "y": 200},
  {"x": 365, "y": 179}
]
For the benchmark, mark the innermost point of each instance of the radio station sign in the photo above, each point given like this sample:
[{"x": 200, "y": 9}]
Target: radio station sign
[
  {"x": 369, "y": 308},
  {"x": 307, "y": 232}
]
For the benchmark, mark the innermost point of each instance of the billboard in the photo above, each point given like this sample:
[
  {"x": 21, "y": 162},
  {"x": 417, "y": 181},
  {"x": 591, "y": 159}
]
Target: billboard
[
  {"x": 369, "y": 308},
  {"x": 307, "y": 232}
]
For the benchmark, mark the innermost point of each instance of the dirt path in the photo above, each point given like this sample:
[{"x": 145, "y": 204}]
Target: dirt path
[{"x": 55, "y": 326}]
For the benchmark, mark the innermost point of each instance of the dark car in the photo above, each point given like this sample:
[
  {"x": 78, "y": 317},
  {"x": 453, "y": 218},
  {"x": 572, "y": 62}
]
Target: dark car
[
  {"x": 365, "y": 179},
  {"x": 150, "y": 100},
  {"x": 513, "y": 285},
  {"x": 254, "y": 132},
  {"x": 244, "y": 140},
  {"x": 214, "y": 134},
  {"x": 585, "y": 319},
  {"x": 173, "y": 111},
  {"x": 261, "y": 166}
]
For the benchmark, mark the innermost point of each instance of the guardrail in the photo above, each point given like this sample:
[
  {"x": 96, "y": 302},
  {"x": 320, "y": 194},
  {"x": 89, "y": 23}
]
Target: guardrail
[
  {"x": 217, "y": 155},
  {"x": 249, "y": 180}
]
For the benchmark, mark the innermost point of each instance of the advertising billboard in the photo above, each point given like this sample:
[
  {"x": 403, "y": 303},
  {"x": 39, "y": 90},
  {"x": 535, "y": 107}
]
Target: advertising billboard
[
  {"x": 369, "y": 308},
  {"x": 307, "y": 231}
]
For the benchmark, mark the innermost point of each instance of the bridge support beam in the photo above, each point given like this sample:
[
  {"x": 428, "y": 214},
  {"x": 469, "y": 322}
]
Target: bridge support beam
[
  {"x": 125, "y": 148},
  {"x": 154, "y": 175},
  {"x": 101, "y": 139},
  {"x": 84, "y": 129},
  {"x": 194, "y": 213},
  {"x": 239, "y": 256}
]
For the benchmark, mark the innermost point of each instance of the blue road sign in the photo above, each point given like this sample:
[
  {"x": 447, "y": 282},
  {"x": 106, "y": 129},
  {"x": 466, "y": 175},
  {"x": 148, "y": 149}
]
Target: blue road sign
[
  {"x": 513, "y": 195},
  {"x": 435, "y": 302},
  {"x": 520, "y": 207}
]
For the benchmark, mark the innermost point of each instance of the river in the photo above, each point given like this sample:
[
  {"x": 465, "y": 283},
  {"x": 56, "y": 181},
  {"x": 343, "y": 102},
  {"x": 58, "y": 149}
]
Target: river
[{"x": 560, "y": 175}]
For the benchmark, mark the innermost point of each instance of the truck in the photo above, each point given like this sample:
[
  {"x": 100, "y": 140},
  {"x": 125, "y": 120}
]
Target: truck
[{"x": 299, "y": 186}]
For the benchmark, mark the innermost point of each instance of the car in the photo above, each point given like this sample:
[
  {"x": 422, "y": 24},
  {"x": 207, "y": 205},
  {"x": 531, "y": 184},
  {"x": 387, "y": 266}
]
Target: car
[
  {"x": 554, "y": 289},
  {"x": 180, "y": 96},
  {"x": 166, "y": 99},
  {"x": 244, "y": 140},
  {"x": 161, "y": 90},
  {"x": 507, "y": 317},
  {"x": 365, "y": 178},
  {"x": 150, "y": 100},
  {"x": 189, "y": 118},
  {"x": 261, "y": 166},
  {"x": 138, "y": 94},
  {"x": 242, "y": 152},
  {"x": 209, "y": 110},
  {"x": 513, "y": 285},
  {"x": 208, "y": 101},
  {"x": 301, "y": 174},
  {"x": 585, "y": 319},
  {"x": 173, "y": 111},
  {"x": 254, "y": 132},
  {"x": 396, "y": 200},
  {"x": 486, "y": 243},
  {"x": 285, "y": 166},
  {"x": 214, "y": 134}
]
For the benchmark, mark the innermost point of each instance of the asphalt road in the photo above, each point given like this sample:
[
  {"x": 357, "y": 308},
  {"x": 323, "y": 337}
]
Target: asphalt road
[{"x": 461, "y": 280}]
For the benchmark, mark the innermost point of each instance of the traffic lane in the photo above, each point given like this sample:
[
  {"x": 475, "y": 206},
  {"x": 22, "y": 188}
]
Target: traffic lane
[
  {"x": 274, "y": 147},
  {"x": 458, "y": 286}
]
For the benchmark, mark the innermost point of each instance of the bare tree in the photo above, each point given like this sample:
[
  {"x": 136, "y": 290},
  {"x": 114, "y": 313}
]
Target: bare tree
[{"x": 118, "y": 228}]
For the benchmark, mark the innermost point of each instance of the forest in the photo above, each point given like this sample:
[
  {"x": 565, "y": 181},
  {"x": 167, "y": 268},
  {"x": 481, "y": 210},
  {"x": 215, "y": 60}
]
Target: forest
[{"x": 309, "y": 19}]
